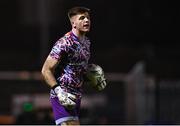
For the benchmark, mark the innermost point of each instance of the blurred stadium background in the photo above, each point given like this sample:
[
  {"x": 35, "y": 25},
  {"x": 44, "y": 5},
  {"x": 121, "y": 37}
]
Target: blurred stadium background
[{"x": 136, "y": 42}]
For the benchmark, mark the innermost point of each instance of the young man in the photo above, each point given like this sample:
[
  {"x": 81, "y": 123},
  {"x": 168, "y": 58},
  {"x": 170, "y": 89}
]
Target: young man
[{"x": 65, "y": 66}]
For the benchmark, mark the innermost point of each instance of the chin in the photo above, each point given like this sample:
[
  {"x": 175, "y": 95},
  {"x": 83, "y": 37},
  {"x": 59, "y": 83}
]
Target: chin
[{"x": 86, "y": 30}]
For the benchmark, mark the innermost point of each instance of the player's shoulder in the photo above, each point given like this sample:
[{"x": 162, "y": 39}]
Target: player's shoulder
[
  {"x": 63, "y": 40},
  {"x": 67, "y": 36}
]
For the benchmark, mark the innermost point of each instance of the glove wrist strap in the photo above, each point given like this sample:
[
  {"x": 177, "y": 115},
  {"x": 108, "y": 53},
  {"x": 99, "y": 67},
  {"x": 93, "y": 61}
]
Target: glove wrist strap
[
  {"x": 56, "y": 88},
  {"x": 56, "y": 85}
]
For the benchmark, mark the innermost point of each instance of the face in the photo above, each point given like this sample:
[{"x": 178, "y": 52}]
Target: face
[{"x": 81, "y": 22}]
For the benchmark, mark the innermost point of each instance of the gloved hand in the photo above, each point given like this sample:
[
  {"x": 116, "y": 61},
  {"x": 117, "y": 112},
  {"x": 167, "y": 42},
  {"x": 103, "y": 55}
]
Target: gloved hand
[
  {"x": 66, "y": 99},
  {"x": 95, "y": 77},
  {"x": 101, "y": 83}
]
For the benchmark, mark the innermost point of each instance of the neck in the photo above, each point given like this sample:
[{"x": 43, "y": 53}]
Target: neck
[{"x": 79, "y": 34}]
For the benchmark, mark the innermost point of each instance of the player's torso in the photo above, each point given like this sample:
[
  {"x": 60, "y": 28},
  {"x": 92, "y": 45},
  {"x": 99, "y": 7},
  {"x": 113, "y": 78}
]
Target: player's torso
[{"x": 78, "y": 54}]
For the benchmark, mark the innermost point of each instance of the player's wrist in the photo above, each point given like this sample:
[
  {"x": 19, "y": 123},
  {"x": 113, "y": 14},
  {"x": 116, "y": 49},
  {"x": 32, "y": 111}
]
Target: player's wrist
[{"x": 56, "y": 88}]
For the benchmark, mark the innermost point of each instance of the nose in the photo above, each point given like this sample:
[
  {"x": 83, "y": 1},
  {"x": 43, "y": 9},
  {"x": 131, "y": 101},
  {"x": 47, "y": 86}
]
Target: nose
[{"x": 86, "y": 19}]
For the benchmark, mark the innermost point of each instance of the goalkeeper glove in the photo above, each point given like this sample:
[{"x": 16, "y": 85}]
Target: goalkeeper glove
[
  {"x": 101, "y": 83},
  {"x": 66, "y": 99}
]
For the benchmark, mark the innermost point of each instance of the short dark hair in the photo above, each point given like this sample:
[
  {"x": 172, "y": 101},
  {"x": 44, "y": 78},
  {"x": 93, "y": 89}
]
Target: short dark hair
[{"x": 77, "y": 10}]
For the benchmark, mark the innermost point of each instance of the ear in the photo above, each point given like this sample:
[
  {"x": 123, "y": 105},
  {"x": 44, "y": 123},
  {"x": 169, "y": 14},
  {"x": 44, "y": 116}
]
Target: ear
[{"x": 73, "y": 24}]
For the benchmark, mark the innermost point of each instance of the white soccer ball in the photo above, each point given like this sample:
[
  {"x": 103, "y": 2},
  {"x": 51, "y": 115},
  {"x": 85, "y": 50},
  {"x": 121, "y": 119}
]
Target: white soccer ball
[{"x": 95, "y": 75}]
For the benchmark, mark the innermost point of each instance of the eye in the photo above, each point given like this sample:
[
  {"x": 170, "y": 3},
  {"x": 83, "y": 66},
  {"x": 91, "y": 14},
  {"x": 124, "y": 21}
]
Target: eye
[{"x": 82, "y": 17}]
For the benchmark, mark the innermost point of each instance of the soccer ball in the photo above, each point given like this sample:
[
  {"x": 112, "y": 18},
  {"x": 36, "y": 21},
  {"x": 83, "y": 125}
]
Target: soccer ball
[{"x": 95, "y": 76}]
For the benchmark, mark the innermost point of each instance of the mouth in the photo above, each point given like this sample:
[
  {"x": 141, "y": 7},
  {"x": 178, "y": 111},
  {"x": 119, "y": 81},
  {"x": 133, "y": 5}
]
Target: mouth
[{"x": 86, "y": 25}]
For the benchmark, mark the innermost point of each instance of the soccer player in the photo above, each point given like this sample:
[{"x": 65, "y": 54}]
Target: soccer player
[{"x": 64, "y": 68}]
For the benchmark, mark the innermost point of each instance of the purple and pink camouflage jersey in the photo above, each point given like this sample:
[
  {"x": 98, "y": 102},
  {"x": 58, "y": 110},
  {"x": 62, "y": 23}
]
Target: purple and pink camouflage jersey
[{"x": 76, "y": 54}]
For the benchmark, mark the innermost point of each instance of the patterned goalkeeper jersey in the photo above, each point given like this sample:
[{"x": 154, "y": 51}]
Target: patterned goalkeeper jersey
[{"x": 73, "y": 56}]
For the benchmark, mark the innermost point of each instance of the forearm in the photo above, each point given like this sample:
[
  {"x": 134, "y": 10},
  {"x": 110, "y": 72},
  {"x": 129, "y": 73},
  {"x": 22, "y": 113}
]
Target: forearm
[{"x": 49, "y": 77}]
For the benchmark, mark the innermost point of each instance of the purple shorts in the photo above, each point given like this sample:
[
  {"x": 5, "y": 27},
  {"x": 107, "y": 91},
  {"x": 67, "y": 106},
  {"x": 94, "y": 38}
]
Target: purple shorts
[{"x": 62, "y": 114}]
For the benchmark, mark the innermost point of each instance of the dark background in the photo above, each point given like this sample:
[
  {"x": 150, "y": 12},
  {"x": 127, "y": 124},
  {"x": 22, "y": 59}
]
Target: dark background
[{"x": 122, "y": 33}]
